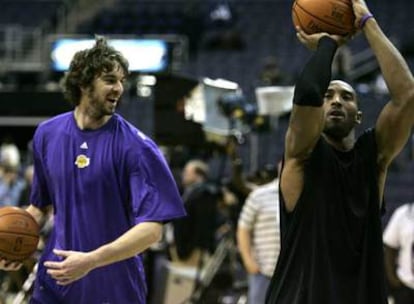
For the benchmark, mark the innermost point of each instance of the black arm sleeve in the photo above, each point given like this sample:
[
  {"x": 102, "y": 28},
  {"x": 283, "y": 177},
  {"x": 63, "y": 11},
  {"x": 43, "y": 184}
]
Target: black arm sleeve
[{"x": 315, "y": 77}]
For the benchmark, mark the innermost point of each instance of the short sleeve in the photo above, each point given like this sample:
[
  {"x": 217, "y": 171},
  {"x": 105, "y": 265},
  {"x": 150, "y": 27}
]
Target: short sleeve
[
  {"x": 39, "y": 196},
  {"x": 248, "y": 214},
  {"x": 154, "y": 192},
  {"x": 391, "y": 236}
]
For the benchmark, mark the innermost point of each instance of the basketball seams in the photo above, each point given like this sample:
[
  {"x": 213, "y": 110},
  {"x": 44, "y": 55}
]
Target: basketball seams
[
  {"x": 16, "y": 257},
  {"x": 19, "y": 214},
  {"x": 319, "y": 19},
  {"x": 331, "y": 16},
  {"x": 27, "y": 216},
  {"x": 297, "y": 16},
  {"x": 18, "y": 233},
  {"x": 345, "y": 2}
]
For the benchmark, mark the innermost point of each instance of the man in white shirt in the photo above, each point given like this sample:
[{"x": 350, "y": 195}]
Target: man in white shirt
[
  {"x": 258, "y": 238},
  {"x": 399, "y": 254}
]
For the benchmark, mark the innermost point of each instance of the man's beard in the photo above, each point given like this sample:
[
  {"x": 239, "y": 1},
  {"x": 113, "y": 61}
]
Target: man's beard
[
  {"x": 337, "y": 132},
  {"x": 99, "y": 108}
]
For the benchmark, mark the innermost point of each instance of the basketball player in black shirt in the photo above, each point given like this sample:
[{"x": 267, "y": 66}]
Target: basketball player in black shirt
[{"x": 332, "y": 183}]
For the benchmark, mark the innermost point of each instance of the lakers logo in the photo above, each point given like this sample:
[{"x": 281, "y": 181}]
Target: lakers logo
[{"x": 82, "y": 161}]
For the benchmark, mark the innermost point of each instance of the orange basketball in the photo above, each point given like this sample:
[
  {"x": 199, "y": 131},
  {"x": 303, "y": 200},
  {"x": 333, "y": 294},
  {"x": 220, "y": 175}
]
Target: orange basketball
[
  {"x": 330, "y": 16},
  {"x": 19, "y": 233}
]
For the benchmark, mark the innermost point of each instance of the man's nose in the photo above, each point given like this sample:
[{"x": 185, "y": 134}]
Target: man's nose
[
  {"x": 336, "y": 100},
  {"x": 118, "y": 87}
]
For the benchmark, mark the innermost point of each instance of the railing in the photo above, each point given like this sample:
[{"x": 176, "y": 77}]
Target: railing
[
  {"x": 21, "y": 42},
  {"x": 15, "y": 46}
]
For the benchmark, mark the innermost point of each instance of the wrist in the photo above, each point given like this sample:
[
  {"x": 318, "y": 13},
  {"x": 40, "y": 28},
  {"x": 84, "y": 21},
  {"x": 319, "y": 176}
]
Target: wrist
[
  {"x": 93, "y": 259},
  {"x": 364, "y": 19},
  {"x": 326, "y": 41}
]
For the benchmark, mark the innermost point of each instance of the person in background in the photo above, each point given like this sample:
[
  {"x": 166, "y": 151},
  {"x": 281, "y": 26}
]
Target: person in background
[
  {"x": 194, "y": 234},
  {"x": 28, "y": 174},
  {"x": 11, "y": 184},
  {"x": 109, "y": 186},
  {"x": 258, "y": 238},
  {"x": 398, "y": 240},
  {"x": 271, "y": 74}
]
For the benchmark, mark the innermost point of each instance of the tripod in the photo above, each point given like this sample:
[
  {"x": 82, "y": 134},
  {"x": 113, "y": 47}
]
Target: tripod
[
  {"x": 27, "y": 286},
  {"x": 225, "y": 248}
]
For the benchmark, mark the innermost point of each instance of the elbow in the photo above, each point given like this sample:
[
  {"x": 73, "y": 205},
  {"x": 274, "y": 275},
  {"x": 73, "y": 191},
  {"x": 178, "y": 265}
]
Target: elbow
[
  {"x": 405, "y": 98},
  {"x": 156, "y": 233}
]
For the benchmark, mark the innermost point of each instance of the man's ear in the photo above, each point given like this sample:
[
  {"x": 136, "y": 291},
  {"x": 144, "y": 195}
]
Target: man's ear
[{"x": 358, "y": 117}]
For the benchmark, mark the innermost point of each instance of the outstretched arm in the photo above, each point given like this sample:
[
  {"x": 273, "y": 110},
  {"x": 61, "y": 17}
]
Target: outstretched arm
[
  {"x": 394, "y": 124},
  {"x": 307, "y": 117}
]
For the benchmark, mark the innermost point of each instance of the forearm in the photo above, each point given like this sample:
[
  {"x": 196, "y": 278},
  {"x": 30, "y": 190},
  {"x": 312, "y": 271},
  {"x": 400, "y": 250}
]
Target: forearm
[
  {"x": 131, "y": 243},
  {"x": 390, "y": 256},
  {"x": 316, "y": 76},
  {"x": 38, "y": 214},
  {"x": 244, "y": 245},
  {"x": 307, "y": 120},
  {"x": 394, "y": 68}
]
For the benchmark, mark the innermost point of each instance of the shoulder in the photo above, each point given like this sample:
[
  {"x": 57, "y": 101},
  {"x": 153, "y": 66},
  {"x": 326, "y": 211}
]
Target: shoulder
[
  {"x": 403, "y": 210},
  {"x": 367, "y": 140},
  {"x": 131, "y": 135},
  {"x": 56, "y": 120},
  {"x": 134, "y": 144},
  {"x": 265, "y": 190},
  {"x": 53, "y": 125}
]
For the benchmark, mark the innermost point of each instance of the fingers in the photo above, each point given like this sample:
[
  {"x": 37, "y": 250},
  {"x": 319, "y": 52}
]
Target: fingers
[
  {"x": 65, "y": 281},
  {"x": 66, "y": 270},
  {"x": 58, "y": 271},
  {"x": 309, "y": 40},
  {"x": 53, "y": 265},
  {"x": 10, "y": 265},
  {"x": 300, "y": 37},
  {"x": 62, "y": 277},
  {"x": 62, "y": 253},
  {"x": 61, "y": 274}
]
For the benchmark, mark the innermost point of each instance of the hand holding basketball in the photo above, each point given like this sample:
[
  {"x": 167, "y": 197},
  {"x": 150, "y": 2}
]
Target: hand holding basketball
[
  {"x": 19, "y": 235},
  {"x": 9, "y": 266},
  {"x": 360, "y": 10},
  {"x": 311, "y": 40}
]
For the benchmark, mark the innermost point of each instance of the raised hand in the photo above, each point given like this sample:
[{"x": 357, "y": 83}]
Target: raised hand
[{"x": 360, "y": 10}]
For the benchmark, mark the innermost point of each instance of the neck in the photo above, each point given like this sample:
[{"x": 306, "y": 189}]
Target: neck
[
  {"x": 344, "y": 144},
  {"x": 85, "y": 120}
]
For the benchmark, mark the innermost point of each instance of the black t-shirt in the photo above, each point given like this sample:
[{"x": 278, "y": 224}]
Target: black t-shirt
[
  {"x": 331, "y": 250},
  {"x": 198, "y": 228}
]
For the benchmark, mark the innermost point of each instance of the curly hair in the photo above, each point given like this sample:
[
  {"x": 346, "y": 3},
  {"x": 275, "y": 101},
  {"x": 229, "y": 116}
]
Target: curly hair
[{"x": 87, "y": 64}]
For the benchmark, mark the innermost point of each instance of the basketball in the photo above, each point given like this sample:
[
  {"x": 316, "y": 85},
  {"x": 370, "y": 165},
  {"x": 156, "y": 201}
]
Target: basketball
[
  {"x": 19, "y": 234},
  {"x": 331, "y": 16}
]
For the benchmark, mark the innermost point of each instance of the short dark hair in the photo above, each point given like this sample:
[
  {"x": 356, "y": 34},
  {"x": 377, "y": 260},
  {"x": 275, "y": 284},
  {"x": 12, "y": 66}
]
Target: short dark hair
[
  {"x": 89, "y": 63},
  {"x": 200, "y": 168}
]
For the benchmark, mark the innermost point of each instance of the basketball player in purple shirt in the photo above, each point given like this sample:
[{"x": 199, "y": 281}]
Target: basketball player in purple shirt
[{"x": 109, "y": 186}]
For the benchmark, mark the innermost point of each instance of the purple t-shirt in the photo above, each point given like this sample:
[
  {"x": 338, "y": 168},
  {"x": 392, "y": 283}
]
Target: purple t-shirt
[{"x": 100, "y": 183}]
